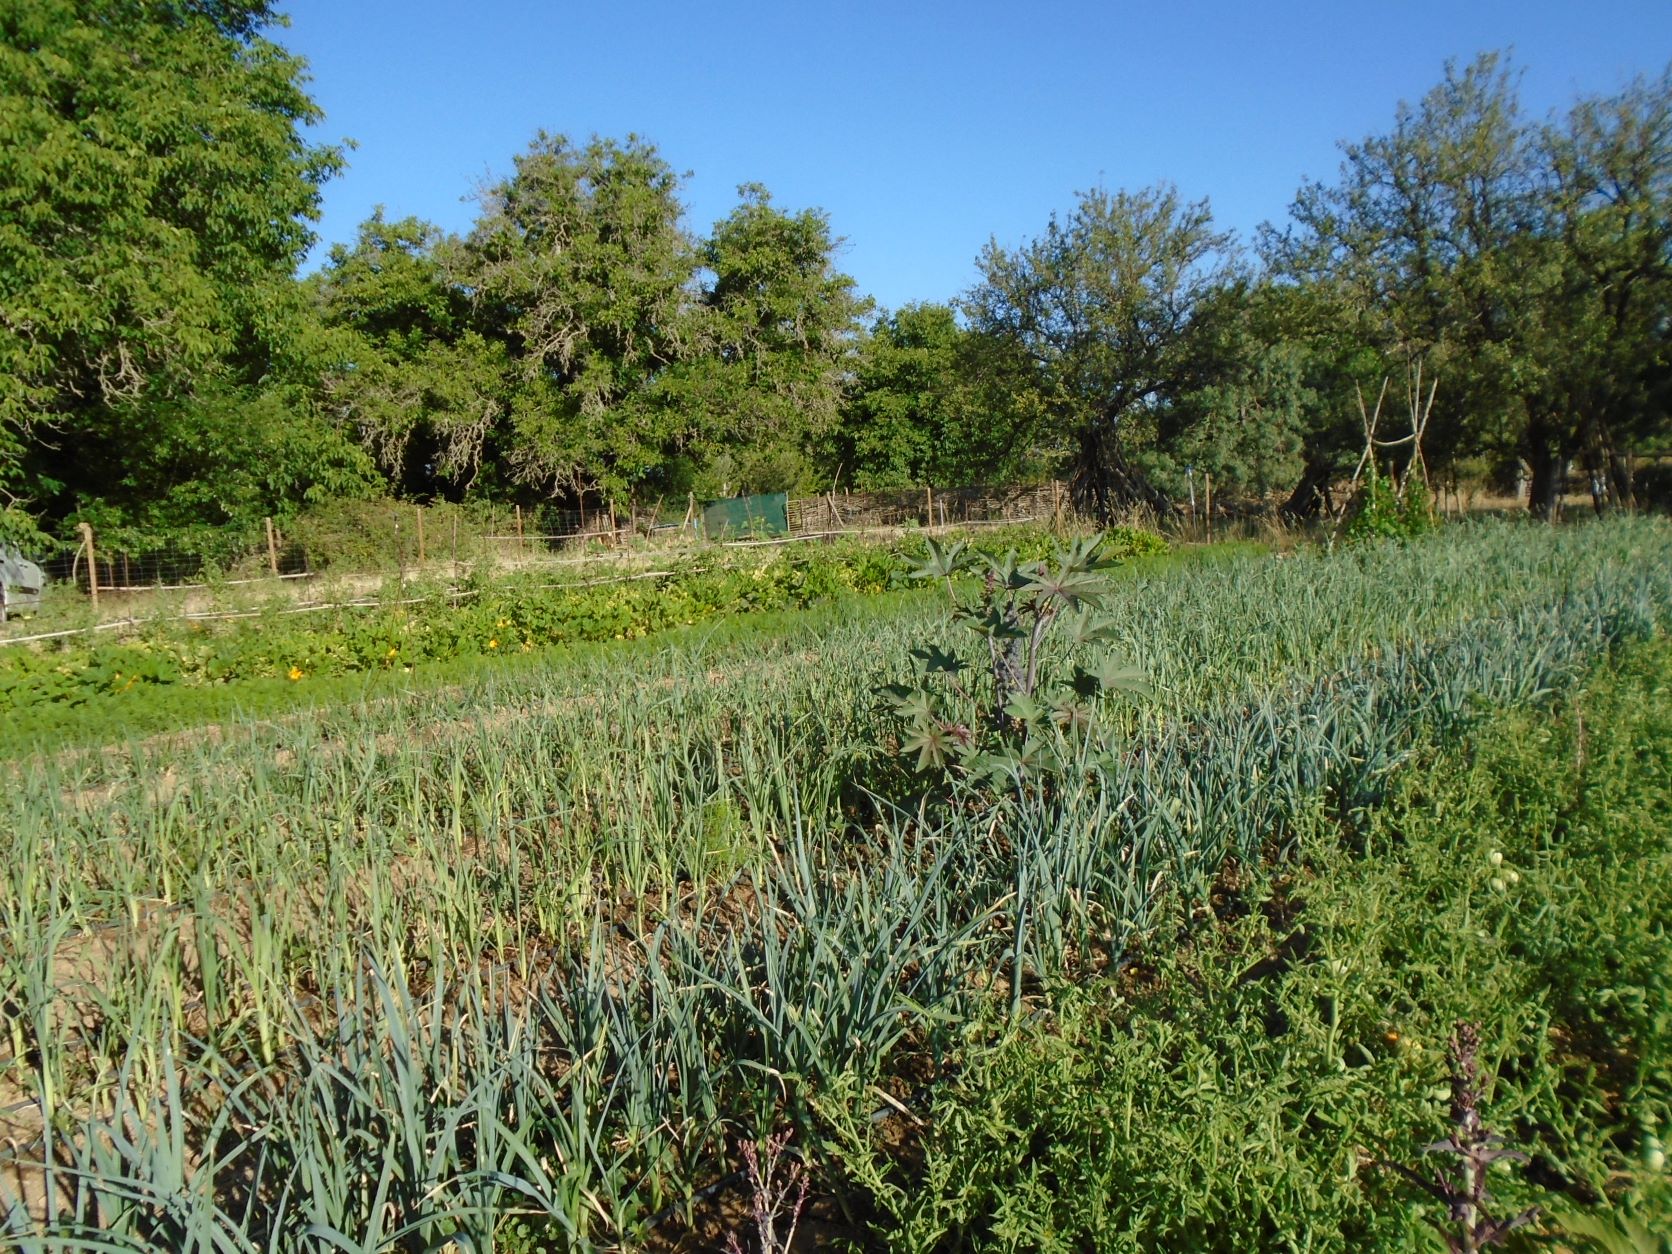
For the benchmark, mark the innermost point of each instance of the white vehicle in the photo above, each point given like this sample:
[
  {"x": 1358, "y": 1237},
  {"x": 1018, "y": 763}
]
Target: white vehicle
[{"x": 21, "y": 582}]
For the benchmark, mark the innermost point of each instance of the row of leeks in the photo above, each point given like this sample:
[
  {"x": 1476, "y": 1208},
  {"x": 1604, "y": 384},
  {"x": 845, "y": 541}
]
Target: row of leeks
[{"x": 395, "y": 976}]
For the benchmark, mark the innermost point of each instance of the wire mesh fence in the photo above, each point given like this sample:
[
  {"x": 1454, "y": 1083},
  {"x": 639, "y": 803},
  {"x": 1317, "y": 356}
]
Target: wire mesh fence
[
  {"x": 927, "y": 507},
  {"x": 173, "y": 566},
  {"x": 383, "y": 537}
]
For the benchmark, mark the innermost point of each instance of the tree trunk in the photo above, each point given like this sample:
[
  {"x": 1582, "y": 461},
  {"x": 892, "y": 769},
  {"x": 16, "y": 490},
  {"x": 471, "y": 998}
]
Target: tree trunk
[
  {"x": 1311, "y": 496},
  {"x": 1608, "y": 469},
  {"x": 1597, "y": 482},
  {"x": 1549, "y": 467},
  {"x": 1620, "y": 479},
  {"x": 1593, "y": 442},
  {"x": 1104, "y": 485}
]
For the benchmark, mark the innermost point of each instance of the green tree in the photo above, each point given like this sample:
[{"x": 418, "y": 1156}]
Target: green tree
[
  {"x": 1524, "y": 267},
  {"x": 155, "y": 191},
  {"x": 1279, "y": 368},
  {"x": 1243, "y": 421},
  {"x": 921, "y": 408},
  {"x": 216, "y": 461},
  {"x": 1096, "y": 318},
  {"x": 905, "y": 402},
  {"x": 583, "y": 272},
  {"x": 403, "y": 364},
  {"x": 779, "y": 322},
  {"x": 1602, "y": 344},
  {"x": 1427, "y": 239}
]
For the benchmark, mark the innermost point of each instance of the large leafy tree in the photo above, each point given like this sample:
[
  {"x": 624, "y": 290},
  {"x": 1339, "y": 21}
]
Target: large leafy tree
[
  {"x": 582, "y": 270},
  {"x": 155, "y": 195},
  {"x": 1523, "y": 267},
  {"x": 927, "y": 405},
  {"x": 1279, "y": 369},
  {"x": 1424, "y": 239},
  {"x": 905, "y": 404},
  {"x": 581, "y": 341},
  {"x": 1243, "y": 421},
  {"x": 778, "y": 324},
  {"x": 402, "y": 362},
  {"x": 1602, "y": 342},
  {"x": 1097, "y": 317}
]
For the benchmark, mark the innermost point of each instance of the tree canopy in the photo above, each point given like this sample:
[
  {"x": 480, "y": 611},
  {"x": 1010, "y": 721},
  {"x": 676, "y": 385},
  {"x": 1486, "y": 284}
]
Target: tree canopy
[
  {"x": 155, "y": 195},
  {"x": 162, "y": 365},
  {"x": 779, "y": 323},
  {"x": 1097, "y": 317},
  {"x": 1523, "y": 264}
]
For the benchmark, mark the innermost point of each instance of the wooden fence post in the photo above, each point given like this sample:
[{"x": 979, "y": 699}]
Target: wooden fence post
[
  {"x": 519, "y": 531},
  {"x": 1207, "y": 500},
  {"x": 272, "y": 547},
  {"x": 419, "y": 510},
  {"x": 92, "y": 564},
  {"x": 928, "y": 506}
]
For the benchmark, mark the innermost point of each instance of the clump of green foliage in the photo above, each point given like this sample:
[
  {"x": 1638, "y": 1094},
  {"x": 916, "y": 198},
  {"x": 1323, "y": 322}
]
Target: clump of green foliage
[
  {"x": 1022, "y": 706},
  {"x": 1243, "y": 1085},
  {"x": 1387, "y": 511}
]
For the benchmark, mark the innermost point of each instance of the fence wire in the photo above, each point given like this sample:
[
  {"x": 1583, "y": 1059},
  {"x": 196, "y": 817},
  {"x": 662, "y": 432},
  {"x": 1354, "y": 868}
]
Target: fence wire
[{"x": 383, "y": 537}]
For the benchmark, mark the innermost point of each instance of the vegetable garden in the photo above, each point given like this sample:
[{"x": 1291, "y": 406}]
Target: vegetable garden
[
  {"x": 526, "y": 959},
  {"x": 419, "y": 624}
]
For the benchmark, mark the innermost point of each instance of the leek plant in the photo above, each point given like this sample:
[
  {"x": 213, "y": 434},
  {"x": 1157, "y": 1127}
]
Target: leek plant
[{"x": 542, "y": 949}]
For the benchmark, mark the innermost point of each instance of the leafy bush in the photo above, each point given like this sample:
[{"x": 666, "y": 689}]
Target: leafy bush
[
  {"x": 358, "y": 535},
  {"x": 1244, "y": 1086},
  {"x": 1022, "y": 708},
  {"x": 19, "y": 530},
  {"x": 1385, "y": 511}
]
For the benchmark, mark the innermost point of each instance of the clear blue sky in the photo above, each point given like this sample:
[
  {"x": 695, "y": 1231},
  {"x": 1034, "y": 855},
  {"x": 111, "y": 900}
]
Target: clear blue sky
[{"x": 921, "y": 128}]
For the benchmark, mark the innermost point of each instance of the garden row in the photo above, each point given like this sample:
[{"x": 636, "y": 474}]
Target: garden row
[
  {"x": 532, "y": 958},
  {"x": 421, "y": 623},
  {"x": 1266, "y": 1078}
]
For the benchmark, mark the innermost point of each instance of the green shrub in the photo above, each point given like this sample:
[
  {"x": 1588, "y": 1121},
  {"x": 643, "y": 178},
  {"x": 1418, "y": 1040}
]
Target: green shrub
[
  {"x": 1242, "y": 1087},
  {"x": 1385, "y": 511},
  {"x": 1016, "y": 709},
  {"x": 370, "y": 535}
]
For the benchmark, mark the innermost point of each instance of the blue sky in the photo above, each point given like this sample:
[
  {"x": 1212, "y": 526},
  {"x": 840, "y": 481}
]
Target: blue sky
[{"x": 922, "y": 129}]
